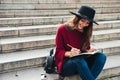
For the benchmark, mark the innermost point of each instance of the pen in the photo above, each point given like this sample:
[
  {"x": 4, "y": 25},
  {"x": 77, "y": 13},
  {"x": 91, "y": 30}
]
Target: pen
[{"x": 70, "y": 46}]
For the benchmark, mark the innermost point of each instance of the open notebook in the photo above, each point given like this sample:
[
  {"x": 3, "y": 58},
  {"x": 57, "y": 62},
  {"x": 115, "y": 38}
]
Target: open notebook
[{"x": 86, "y": 53}]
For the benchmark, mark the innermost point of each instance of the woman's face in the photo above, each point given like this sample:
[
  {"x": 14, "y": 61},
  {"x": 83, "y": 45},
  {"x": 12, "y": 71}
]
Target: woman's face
[{"x": 83, "y": 23}]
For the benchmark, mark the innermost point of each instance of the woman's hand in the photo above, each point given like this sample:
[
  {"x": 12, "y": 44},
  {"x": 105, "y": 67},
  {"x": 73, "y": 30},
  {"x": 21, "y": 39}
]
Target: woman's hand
[{"x": 73, "y": 52}]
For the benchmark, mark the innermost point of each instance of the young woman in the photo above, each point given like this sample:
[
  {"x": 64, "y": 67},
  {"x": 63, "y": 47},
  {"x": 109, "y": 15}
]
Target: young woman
[{"x": 73, "y": 38}]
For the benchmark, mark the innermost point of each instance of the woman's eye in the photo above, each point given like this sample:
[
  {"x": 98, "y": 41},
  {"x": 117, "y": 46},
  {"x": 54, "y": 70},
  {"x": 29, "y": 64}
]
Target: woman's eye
[
  {"x": 82, "y": 20},
  {"x": 85, "y": 21}
]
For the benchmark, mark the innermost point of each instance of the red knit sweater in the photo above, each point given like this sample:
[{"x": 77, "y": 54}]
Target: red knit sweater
[{"x": 64, "y": 37}]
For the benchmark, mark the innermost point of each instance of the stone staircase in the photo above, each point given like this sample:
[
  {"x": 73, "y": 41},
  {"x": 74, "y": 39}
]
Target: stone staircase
[{"x": 28, "y": 27}]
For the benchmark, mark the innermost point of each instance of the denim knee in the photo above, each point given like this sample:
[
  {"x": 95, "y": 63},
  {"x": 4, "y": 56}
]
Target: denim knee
[
  {"x": 80, "y": 61},
  {"x": 101, "y": 57}
]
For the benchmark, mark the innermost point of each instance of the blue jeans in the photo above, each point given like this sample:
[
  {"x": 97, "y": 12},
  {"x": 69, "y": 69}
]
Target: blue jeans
[{"x": 87, "y": 67}]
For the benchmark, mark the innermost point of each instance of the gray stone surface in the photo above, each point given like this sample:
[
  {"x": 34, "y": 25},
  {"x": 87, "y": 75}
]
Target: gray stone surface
[
  {"x": 51, "y": 19},
  {"x": 58, "y": 1},
  {"x": 30, "y": 58},
  {"x": 35, "y": 73},
  {"x": 50, "y": 29},
  {"x": 21, "y": 43},
  {"x": 56, "y": 12},
  {"x": 18, "y": 18}
]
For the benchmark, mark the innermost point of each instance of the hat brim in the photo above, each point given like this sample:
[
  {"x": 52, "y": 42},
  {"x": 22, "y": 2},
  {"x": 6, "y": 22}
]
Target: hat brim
[{"x": 83, "y": 16}]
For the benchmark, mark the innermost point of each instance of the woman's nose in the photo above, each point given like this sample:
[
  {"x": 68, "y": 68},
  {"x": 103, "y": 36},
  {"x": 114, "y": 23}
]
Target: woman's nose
[{"x": 84, "y": 24}]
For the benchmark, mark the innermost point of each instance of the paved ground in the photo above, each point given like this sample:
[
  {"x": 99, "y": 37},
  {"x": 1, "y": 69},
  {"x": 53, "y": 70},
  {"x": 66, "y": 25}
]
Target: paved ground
[
  {"x": 38, "y": 73},
  {"x": 28, "y": 74},
  {"x": 35, "y": 74}
]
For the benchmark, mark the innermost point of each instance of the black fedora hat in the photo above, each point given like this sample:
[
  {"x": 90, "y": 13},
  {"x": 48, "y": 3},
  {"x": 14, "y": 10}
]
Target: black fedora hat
[{"x": 86, "y": 12}]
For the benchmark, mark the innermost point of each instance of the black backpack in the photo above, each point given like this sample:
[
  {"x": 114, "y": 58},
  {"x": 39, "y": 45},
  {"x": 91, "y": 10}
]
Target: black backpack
[{"x": 50, "y": 63}]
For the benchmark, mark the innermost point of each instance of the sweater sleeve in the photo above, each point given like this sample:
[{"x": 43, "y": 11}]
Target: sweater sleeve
[{"x": 60, "y": 49}]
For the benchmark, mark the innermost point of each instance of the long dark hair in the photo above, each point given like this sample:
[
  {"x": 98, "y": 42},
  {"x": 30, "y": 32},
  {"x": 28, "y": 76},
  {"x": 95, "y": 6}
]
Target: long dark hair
[{"x": 87, "y": 31}]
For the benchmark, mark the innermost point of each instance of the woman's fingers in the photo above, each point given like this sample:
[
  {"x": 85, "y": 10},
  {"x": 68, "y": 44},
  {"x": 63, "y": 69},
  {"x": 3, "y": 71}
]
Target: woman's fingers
[{"x": 75, "y": 49}]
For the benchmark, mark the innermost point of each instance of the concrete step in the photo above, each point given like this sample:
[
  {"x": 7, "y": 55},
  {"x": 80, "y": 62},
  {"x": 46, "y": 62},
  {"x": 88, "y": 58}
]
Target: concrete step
[
  {"x": 20, "y": 21},
  {"x": 22, "y": 59},
  {"x": 39, "y": 1},
  {"x": 112, "y": 68},
  {"x": 107, "y": 17},
  {"x": 52, "y": 12},
  {"x": 32, "y": 42},
  {"x": 100, "y": 1},
  {"x": 20, "y": 31},
  {"x": 48, "y": 29},
  {"x": 58, "y": 1},
  {"x": 108, "y": 47},
  {"x": 21, "y": 6},
  {"x": 25, "y": 43},
  {"x": 12, "y": 22},
  {"x": 106, "y": 35},
  {"x": 111, "y": 64},
  {"x": 107, "y": 25},
  {"x": 34, "y": 13}
]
